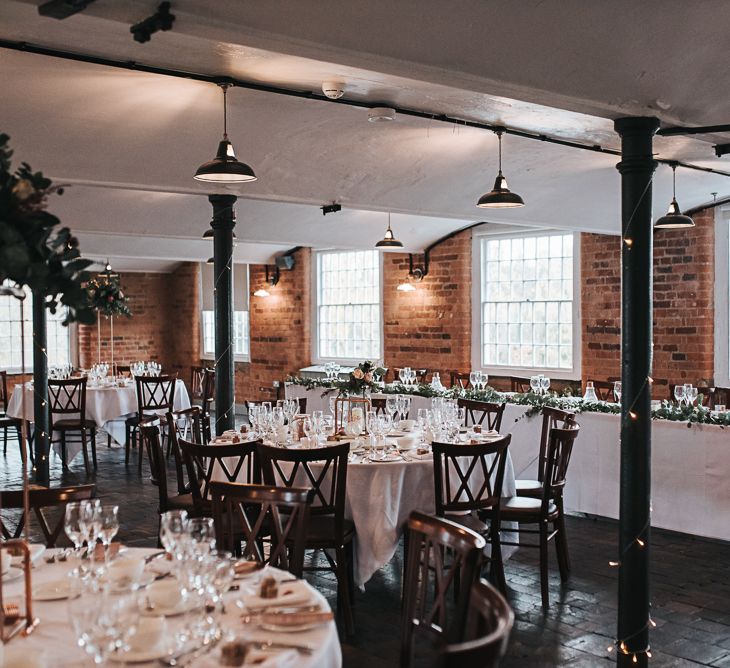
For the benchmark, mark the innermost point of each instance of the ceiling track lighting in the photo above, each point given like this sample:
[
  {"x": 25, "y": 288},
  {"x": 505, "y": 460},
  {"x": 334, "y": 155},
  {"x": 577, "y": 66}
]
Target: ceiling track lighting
[
  {"x": 674, "y": 218},
  {"x": 389, "y": 240},
  {"x": 62, "y": 9},
  {"x": 331, "y": 208},
  {"x": 161, "y": 20},
  {"x": 225, "y": 168},
  {"x": 500, "y": 196}
]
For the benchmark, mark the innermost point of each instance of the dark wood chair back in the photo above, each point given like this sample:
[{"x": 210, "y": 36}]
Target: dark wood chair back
[
  {"x": 378, "y": 404},
  {"x": 560, "y": 448},
  {"x": 324, "y": 469},
  {"x": 67, "y": 397},
  {"x": 245, "y": 514},
  {"x": 469, "y": 477},
  {"x": 430, "y": 581},
  {"x": 519, "y": 384},
  {"x": 716, "y": 395},
  {"x": 477, "y": 412},
  {"x": 604, "y": 390},
  {"x": 122, "y": 369},
  {"x": 489, "y": 621},
  {"x": 460, "y": 379},
  {"x": 197, "y": 382},
  {"x": 551, "y": 418},
  {"x": 42, "y": 502},
  {"x": 183, "y": 425},
  {"x": 208, "y": 390},
  {"x": 235, "y": 462},
  {"x": 4, "y": 398},
  {"x": 149, "y": 432},
  {"x": 155, "y": 394}
]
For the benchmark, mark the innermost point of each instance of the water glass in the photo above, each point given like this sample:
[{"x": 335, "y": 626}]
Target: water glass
[
  {"x": 544, "y": 384},
  {"x": 391, "y": 404},
  {"x": 173, "y": 531},
  {"x": 679, "y": 394},
  {"x": 108, "y": 521},
  {"x": 691, "y": 395},
  {"x": 617, "y": 391},
  {"x": 202, "y": 535},
  {"x": 687, "y": 393}
]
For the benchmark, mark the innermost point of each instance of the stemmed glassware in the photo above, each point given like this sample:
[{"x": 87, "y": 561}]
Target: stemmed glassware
[
  {"x": 391, "y": 404},
  {"x": 679, "y": 394},
  {"x": 108, "y": 522},
  {"x": 617, "y": 391},
  {"x": 690, "y": 394},
  {"x": 404, "y": 406},
  {"x": 76, "y": 524}
]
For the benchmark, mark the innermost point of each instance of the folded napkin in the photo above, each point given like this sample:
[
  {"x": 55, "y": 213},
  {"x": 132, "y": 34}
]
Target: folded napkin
[
  {"x": 290, "y": 593},
  {"x": 413, "y": 454},
  {"x": 296, "y": 618}
]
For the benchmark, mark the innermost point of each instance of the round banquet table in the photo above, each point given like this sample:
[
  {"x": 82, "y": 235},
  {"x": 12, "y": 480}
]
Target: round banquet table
[
  {"x": 104, "y": 405},
  {"x": 54, "y": 636}
]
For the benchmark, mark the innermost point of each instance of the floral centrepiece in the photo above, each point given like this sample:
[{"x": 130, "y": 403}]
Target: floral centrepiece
[
  {"x": 34, "y": 252},
  {"x": 106, "y": 296},
  {"x": 360, "y": 380}
]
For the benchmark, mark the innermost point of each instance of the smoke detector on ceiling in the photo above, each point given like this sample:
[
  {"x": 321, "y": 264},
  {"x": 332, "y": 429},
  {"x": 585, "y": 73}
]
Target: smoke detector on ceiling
[
  {"x": 334, "y": 90},
  {"x": 381, "y": 114}
]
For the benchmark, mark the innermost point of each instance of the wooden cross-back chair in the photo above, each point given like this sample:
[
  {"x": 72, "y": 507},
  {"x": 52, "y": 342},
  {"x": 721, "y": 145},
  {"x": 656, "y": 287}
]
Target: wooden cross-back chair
[
  {"x": 183, "y": 425},
  {"x": 197, "y": 381},
  {"x": 155, "y": 398},
  {"x": 477, "y": 412},
  {"x": 428, "y": 620},
  {"x": 716, "y": 396},
  {"x": 519, "y": 384},
  {"x": 180, "y": 498},
  {"x": 489, "y": 621},
  {"x": 42, "y": 501},
  {"x": 551, "y": 418},
  {"x": 548, "y": 508},
  {"x": 325, "y": 470},
  {"x": 460, "y": 379},
  {"x": 468, "y": 490},
  {"x": 68, "y": 398},
  {"x": 603, "y": 388},
  {"x": 7, "y": 422},
  {"x": 237, "y": 462},
  {"x": 245, "y": 515}
]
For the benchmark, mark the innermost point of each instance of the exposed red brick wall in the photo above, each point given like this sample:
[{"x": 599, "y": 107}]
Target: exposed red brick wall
[
  {"x": 165, "y": 323},
  {"x": 280, "y": 329},
  {"x": 684, "y": 311},
  {"x": 431, "y": 327}
]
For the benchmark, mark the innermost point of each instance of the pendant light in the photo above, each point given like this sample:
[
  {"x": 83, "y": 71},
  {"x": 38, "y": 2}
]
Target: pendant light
[
  {"x": 225, "y": 167},
  {"x": 500, "y": 197},
  {"x": 108, "y": 272},
  {"x": 389, "y": 240},
  {"x": 674, "y": 218}
]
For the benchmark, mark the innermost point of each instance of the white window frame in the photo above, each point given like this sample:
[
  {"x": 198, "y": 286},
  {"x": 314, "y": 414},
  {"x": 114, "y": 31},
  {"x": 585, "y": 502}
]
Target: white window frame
[
  {"x": 574, "y": 373},
  {"x": 237, "y": 357},
  {"x": 70, "y": 329},
  {"x": 722, "y": 285},
  {"x": 345, "y": 361}
]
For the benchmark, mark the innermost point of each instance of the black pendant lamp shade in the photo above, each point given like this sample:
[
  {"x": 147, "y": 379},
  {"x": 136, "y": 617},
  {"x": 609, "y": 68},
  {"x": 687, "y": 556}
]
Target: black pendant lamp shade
[
  {"x": 389, "y": 240},
  {"x": 500, "y": 196},
  {"x": 225, "y": 167},
  {"x": 674, "y": 218}
]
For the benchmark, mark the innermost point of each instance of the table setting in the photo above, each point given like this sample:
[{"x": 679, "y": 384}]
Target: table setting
[{"x": 186, "y": 605}]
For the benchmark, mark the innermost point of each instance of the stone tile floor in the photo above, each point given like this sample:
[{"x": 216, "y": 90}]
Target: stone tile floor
[{"x": 690, "y": 583}]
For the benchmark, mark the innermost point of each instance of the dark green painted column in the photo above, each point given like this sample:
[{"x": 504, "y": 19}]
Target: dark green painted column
[
  {"x": 40, "y": 387},
  {"x": 224, "y": 220},
  {"x": 637, "y": 168}
]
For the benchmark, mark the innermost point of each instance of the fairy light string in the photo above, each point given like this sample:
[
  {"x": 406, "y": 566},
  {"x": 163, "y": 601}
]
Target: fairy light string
[{"x": 227, "y": 267}]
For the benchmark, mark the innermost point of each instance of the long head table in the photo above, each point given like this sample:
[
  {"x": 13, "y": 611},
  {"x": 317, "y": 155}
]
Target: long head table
[{"x": 690, "y": 466}]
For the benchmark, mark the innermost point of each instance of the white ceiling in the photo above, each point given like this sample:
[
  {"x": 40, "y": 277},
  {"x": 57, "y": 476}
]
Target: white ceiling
[{"x": 129, "y": 141}]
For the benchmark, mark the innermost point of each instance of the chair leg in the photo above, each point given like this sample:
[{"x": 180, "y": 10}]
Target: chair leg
[
  {"x": 83, "y": 450},
  {"x": 141, "y": 456},
  {"x": 64, "y": 463},
  {"x": 5, "y": 441},
  {"x": 349, "y": 555},
  {"x": 496, "y": 566},
  {"x": 561, "y": 547},
  {"x": 93, "y": 447},
  {"x": 544, "y": 590},
  {"x": 108, "y": 440},
  {"x": 343, "y": 592}
]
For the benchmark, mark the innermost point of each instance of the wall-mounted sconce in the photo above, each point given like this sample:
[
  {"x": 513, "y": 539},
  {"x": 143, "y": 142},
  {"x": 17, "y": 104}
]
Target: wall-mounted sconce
[{"x": 272, "y": 278}]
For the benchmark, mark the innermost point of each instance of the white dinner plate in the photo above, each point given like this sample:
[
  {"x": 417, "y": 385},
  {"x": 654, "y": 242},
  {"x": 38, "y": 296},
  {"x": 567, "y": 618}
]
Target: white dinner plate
[
  {"x": 181, "y": 608},
  {"x": 159, "y": 651},
  {"x": 55, "y": 590},
  {"x": 390, "y": 457},
  {"x": 288, "y": 628}
]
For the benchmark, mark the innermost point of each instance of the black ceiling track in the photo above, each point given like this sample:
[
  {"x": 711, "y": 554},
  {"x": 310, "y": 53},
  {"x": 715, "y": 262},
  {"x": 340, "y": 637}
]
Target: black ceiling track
[{"x": 135, "y": 66}]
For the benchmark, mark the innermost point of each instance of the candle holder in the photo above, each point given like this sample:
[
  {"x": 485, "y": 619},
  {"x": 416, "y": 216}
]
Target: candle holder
[
  {"x": 344, "y": 406},
  {"x": 12, "y": 623}
]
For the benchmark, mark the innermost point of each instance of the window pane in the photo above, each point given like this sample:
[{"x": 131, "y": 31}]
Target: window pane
[
  {"x": 348, "y": 305},
  {"x": 527, "y": 301}
]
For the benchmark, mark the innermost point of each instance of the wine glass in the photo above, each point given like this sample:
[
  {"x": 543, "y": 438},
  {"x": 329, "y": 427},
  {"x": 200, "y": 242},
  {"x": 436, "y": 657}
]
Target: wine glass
[
  {"x": 617, "y": 391},
  {"x": 173, "y": 526},
  {"x": 691, "y": 395},
  {"x": 544, "y": 384},
  {"x": 327, "y": 426},
  {"x": 90, "y": 523},
  {"x": 74, "y": 524},
  {"x": 534, "y": 384},
  {"x": 108, "y": 519},
  {"x": 202, "y": 535},
  {"x": 391, "y": 404},
  {"x": 679, "y": 394},
  {"x": 309, "y": 427}
]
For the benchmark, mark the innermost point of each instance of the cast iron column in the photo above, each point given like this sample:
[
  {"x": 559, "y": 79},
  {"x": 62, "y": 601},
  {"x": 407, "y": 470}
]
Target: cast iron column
[
  {"x": 223, "y": 223},
  {"x": 40, "y": 390},
  {"x": 637, "y": 167}
]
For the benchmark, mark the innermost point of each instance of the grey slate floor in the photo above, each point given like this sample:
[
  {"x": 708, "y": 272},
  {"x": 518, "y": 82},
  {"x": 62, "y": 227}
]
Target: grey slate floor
[{"x": 690, "y": 584}]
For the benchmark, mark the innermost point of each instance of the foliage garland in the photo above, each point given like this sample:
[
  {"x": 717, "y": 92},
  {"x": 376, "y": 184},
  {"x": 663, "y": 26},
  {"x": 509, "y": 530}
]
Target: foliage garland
[
  {"x": 34, "y": 253},
  {"x": 535, "y": 402}
]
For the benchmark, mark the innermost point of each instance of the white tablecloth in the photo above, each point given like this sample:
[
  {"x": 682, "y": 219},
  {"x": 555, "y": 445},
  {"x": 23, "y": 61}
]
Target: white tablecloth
[
  {"x": 55, "y": 635},
  {"x": 104, "y": 405},
  {"x": 690, "y": 467}
]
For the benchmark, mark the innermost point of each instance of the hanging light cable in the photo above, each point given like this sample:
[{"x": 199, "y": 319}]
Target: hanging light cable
[
  {"x": 225, "y": 167},
  {"x": 389, "y": 240},
  {"x": 500, "y": 196},
  {"x": 674, "y": 218}
]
